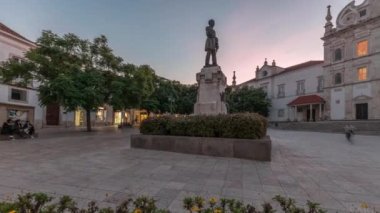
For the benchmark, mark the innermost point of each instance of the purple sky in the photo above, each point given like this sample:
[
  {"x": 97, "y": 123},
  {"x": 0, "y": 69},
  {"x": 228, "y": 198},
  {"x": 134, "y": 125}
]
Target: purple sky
[{"x": 169, "y": 34}]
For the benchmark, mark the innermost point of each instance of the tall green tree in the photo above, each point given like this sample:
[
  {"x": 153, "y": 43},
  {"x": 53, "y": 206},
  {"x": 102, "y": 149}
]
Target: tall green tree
[
  {"x": 171, "y": 97},
  {"x": 186, "y": 99},
  {"x": 163, "y": 98},
  {"x": 247, "y": 99},
  {"x": 72, "y": 72},
  {"x": 132, "y": 87}
]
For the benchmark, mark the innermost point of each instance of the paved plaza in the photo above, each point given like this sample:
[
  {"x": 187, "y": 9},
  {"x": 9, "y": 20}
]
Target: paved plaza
[{"x": 101, "y": 166}]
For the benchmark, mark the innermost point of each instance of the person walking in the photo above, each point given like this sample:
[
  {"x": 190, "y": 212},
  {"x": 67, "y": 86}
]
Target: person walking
[{"x": 349, "y": 132}]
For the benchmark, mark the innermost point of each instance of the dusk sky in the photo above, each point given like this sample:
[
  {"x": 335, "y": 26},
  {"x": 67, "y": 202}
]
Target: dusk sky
[{"x": 170, "y": 35}]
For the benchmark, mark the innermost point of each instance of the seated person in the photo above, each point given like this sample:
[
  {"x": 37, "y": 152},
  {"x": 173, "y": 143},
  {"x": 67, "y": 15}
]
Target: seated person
[
  {"x": 7, "y": 128},
  {"x": 29, "y": 128}
]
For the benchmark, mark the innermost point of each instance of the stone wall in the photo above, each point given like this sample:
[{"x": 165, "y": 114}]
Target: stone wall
[
  {"x": 221, "y": 147},
  {"x": 362, "y": 127}
]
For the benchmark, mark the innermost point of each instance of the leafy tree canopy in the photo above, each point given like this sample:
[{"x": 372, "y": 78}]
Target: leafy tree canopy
[
  {"x": 171, "y": 97},
  {"x": 247, "y": 99},
  {"x": 75, "y": 72},
  {"x": 79, "y": 73}
]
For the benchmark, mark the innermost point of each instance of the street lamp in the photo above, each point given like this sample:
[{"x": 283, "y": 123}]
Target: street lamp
[{"x": 171, "y": 100}]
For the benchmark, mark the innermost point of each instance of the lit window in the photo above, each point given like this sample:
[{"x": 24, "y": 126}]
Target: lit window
[
  {"x": 362, "y": 74},
  {"x": 101, "y": 114},
  {"x": 362, "y": 48}
]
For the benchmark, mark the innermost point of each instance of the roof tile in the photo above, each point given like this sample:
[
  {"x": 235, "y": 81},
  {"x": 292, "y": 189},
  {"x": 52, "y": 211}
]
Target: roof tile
[{"x": 308, "y": 99}]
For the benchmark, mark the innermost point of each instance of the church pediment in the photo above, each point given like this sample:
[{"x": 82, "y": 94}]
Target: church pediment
[
  {"x": 352, "y": 14},
  {"x": 267, "y": 70},
  {"x": 348, "y": 16},
  {"x": 362, "y": 97}
]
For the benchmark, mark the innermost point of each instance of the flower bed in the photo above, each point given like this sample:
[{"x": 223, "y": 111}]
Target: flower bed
[{"x": 42, "y": 203}]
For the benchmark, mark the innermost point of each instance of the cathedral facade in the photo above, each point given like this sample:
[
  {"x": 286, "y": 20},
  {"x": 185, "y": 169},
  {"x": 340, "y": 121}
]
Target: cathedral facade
[
  {"x": 344, "y": 86},
  {"x": 352, "y": 62}
]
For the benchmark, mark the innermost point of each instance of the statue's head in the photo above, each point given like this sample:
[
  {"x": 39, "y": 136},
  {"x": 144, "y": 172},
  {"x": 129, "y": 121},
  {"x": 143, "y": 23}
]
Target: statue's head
[{"x": 211, "y": 22}]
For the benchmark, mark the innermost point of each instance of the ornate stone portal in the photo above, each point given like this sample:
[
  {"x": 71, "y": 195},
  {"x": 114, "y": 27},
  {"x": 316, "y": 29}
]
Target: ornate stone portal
[{"x": 211, "y": 80}]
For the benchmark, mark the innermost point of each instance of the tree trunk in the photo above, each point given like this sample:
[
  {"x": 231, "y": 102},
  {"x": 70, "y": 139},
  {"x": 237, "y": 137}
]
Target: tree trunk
[{"x": 88, "y": 120}]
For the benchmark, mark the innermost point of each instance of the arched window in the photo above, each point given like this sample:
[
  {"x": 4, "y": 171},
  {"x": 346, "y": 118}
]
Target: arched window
[
  {"x": 338, "y": 78},
  {"x": 338, "y": 54}
]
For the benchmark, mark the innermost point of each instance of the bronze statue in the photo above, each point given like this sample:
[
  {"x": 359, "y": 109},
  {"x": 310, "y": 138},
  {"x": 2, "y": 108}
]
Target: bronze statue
[{"x": 212, "y": 44}]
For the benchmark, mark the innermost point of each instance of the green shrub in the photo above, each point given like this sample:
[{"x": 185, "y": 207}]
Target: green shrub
[
  {"x": 156, "y": 125},
  {"x": 242, "y": 125}
]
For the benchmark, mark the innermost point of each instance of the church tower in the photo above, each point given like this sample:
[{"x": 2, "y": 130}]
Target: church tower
[{"x": 352, "y": 62}]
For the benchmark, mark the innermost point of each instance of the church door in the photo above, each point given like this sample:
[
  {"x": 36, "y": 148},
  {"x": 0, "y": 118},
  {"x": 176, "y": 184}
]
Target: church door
[
  {"x": 362, "y": 111},
  {"x": 52, "y": 114}
]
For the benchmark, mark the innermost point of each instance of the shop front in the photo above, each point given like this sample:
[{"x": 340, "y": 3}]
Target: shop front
[
  {"x": 122, "y": 118},
  {"x": 16, "y": 112}
]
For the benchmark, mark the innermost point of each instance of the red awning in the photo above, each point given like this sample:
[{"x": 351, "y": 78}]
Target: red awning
[{"x": 308, "y": 99}]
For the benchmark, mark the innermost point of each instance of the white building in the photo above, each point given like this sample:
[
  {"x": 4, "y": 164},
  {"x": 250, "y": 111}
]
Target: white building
[
  {"x": 295, "y": 92},
  {"x": 352, "y": 62},
  {"x": 345, "y": 86},
  {"x": 22, "y": 102},
  {"x": 17, "y": 102}
]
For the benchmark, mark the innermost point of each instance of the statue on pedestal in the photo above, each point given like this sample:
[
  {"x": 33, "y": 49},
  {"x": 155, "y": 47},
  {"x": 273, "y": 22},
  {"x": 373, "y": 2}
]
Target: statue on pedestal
[
  {"x": 212, "y": 44},
  {"x": 211, "y": 80}
]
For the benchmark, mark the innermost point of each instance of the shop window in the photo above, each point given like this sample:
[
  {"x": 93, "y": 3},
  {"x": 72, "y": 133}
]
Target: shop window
[
  {"x": 143, "y": 116},
  {"x": 117, "y": 117},
  {"x": 79, "y": 117},
  {"x": 101, "y": 114},
  {"x": 15, "y": 114},
  {"x": 18, "y": 95},
  {"x": 362, "y": 48},
  {"x": 338, "y": 54},
  {"x": 362, "y": 74},
  {"x": 338, "y": 78}
]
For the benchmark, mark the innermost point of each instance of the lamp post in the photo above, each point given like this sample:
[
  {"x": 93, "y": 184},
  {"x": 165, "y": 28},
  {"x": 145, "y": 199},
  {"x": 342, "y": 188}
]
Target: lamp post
[{"x": 171, "y": 100}]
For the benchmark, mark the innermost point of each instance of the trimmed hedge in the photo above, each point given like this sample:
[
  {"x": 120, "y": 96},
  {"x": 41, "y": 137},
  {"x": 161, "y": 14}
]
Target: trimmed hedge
[{"x": 242, "y": 125}]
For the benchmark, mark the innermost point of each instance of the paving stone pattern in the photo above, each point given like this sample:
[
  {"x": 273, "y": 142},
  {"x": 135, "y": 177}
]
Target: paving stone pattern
[{"x": 101, "y": 166}]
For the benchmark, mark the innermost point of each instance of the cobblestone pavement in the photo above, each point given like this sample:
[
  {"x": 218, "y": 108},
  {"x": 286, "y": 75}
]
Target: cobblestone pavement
[{"x": 101, "y": 166}]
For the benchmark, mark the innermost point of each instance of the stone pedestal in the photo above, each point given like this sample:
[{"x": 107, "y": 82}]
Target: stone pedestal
[{"x": 211, "y": 86}]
